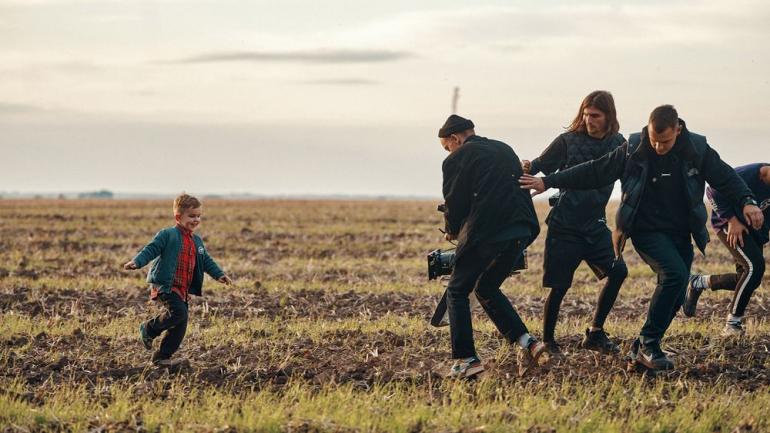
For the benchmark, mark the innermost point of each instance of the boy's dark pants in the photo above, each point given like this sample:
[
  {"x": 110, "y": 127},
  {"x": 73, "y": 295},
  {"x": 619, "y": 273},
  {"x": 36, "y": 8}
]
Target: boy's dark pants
[
  {"x": 670, "y": 257},
  {"x": 173, "y": 320},
  {"x": 483, "y": 268}
]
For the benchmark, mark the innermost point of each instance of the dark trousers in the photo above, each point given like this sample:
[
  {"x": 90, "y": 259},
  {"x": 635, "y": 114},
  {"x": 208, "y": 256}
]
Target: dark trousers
[
  {"x": 173, "y": 320},
  {"x": 749, "y": 269},
  {"x": 563, "y": 254},
  {"x": 483, "y": 269},
  {"x": 670, "y": 257}
]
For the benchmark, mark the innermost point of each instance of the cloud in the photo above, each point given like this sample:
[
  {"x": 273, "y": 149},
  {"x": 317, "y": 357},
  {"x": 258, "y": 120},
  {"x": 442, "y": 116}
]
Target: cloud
[
  {"x": 342, "y": 82},
  {"x": 12, "y": 109},
  {"x": 319, "y": 56}
]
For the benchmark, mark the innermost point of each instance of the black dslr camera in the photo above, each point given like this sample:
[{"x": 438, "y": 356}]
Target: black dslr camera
[{"x": 441, "y": 262}]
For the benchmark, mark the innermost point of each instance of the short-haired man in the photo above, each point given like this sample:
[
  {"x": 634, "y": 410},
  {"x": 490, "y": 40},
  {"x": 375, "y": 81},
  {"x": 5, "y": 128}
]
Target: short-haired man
[
  {"x": 493, "y": 220},
  {"x": 663, "y": 171},
  {"x": 577, "y": 224},
  {"x": 745, "y": 245}
]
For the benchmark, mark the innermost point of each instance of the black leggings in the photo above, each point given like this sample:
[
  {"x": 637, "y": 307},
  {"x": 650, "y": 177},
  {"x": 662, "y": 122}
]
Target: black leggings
[
  {"x": 749, "y": 267},
  {"x": 609, "y": 293}
]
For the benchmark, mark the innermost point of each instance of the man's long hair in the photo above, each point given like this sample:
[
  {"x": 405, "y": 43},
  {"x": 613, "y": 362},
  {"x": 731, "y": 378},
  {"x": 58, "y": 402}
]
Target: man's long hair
[{"x": 603, "y": 101}]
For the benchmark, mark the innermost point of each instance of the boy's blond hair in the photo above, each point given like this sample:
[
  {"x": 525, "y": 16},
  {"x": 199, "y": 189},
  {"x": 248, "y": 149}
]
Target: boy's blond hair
[{"x": 185, "y": 202}]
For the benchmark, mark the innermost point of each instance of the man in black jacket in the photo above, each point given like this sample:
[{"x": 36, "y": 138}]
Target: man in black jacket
[
  {"x": 577, "y": 224},
  {"x": 663, "y": 171},
  {"x": 493, "y": 220}
]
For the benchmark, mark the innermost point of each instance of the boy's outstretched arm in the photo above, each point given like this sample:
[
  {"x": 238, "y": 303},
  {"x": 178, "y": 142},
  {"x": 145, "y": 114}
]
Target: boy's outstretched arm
[{"x": 148, "y": 253}]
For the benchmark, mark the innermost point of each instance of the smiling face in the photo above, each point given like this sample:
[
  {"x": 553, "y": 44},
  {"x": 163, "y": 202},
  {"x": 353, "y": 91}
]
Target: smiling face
[
  {"x": 190, "y": 219},
  {"x": 662, "y": 142}
]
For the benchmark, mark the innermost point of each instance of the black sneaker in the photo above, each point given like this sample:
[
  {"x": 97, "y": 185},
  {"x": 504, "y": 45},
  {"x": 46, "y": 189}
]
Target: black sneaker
[
  {"x": 652, "y": 357},
  {"x": 599, "y": 342},
  {"x": 146, "y": 339},
  {"x": 691, "y": 299}
]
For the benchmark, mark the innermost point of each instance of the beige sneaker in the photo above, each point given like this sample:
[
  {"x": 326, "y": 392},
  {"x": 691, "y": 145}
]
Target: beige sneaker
[{"x": 733, "y": 330}]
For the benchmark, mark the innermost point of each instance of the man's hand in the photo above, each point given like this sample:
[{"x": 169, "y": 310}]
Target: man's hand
[
  {"x": 449, "y": 237},
  {"x": 526, "y": 166},
  {"x": 531, "y": 182},
  {"x": 735, "y": 231},
  {"x": 130, "y": 266},
  {"x": 224, "y": 279},
  {"x": 754, "y": 216}
]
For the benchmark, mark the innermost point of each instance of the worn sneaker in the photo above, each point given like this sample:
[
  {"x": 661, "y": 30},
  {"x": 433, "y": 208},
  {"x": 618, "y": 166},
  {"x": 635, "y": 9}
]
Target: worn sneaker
[
  {"x": 652, "y": 357},
  {"x": 691, "y": 298},
  {"x": 466, "y": 368},
  {"x": 599, "y": 341},
  {"x": 146, "y": 339},
  {"x": 529, "y": 358},
  {"x": 732, "y": 329}
]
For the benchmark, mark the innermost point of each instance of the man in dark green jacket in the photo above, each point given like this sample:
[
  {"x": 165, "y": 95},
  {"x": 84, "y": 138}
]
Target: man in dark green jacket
[
  {"x": 663, "y": 171},
  {"x": 493, "y": 221}
]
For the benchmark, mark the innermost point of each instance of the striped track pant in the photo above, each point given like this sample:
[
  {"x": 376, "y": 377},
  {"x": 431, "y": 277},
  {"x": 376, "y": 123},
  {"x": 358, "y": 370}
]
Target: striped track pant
[{"x": 749, "y": 269}]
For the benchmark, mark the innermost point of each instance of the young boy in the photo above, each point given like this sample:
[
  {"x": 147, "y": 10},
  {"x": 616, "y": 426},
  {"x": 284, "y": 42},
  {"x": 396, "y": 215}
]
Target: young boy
[{"x": 179, "y": 260}]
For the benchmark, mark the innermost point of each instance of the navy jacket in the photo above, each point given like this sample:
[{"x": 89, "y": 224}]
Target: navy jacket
[{"x": 722, "y": 210}]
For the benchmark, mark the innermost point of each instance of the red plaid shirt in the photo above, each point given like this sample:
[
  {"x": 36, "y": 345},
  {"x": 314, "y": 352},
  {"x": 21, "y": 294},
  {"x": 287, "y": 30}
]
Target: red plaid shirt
[{"x": 185, "y": 266}]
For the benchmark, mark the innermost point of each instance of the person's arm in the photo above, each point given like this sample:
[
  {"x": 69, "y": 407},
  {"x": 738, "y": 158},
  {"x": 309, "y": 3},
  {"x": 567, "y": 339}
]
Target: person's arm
[
  {"x": 551, "y": 159},
  {"x": 591, "y": 174},
  {"x": 149, "y": 252},
  {"x": 723, "y": 178},
  {"x": 211, "y": 267},
  {"x": 588, "y": 175},
  {"x": 457, "y": 195}
]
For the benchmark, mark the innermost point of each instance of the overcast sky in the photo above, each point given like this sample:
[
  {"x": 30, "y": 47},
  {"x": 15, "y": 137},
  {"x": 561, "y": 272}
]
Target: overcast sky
[{"x": 346, "y": 97}]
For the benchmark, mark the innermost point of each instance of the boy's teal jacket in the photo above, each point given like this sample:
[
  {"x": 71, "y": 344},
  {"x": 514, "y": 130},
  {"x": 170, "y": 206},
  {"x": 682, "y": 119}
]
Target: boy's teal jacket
[{"x": 165, "y": 247}]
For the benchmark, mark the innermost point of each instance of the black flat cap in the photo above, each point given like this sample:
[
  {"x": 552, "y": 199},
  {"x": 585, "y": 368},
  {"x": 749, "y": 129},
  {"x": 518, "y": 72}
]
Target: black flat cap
[{"x": 453, "y": 125}]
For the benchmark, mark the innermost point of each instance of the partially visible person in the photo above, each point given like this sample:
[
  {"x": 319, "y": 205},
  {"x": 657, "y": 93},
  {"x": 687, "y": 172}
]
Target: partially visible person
[
  {"x": 493, "y": 220},
  {"x": 745, "y": 245},
  {"x": 577, "y": 224},
  {"x": 179, "y": 260}
]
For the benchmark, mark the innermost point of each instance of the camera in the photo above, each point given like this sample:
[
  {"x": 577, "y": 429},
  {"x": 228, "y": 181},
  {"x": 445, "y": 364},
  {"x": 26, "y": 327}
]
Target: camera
[{"x": 441, "y": 262}]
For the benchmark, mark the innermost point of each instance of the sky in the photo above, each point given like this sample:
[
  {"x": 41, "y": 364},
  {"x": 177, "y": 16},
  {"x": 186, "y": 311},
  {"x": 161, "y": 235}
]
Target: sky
[{"x": 346, "y": 97}]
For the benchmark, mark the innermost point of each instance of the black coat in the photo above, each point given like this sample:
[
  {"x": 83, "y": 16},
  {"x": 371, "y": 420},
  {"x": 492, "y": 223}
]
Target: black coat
[
  {"x": 578, "y": 212},
  {"x": 628, "y": 163},
  {"x": 482, "y": 193}
]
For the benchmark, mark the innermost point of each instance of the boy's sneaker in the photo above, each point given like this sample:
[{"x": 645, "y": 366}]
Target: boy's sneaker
[
  {"x": 652, "y": 357},
  {"x": 732, "y": 329},
  {"x": 693, "y": 293},
  {"x": 529, "y": 358},
  {"x": 599, "y": 341},
  {"x": 146, "y": 339},
  {"x": 466, "y": 368}
]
